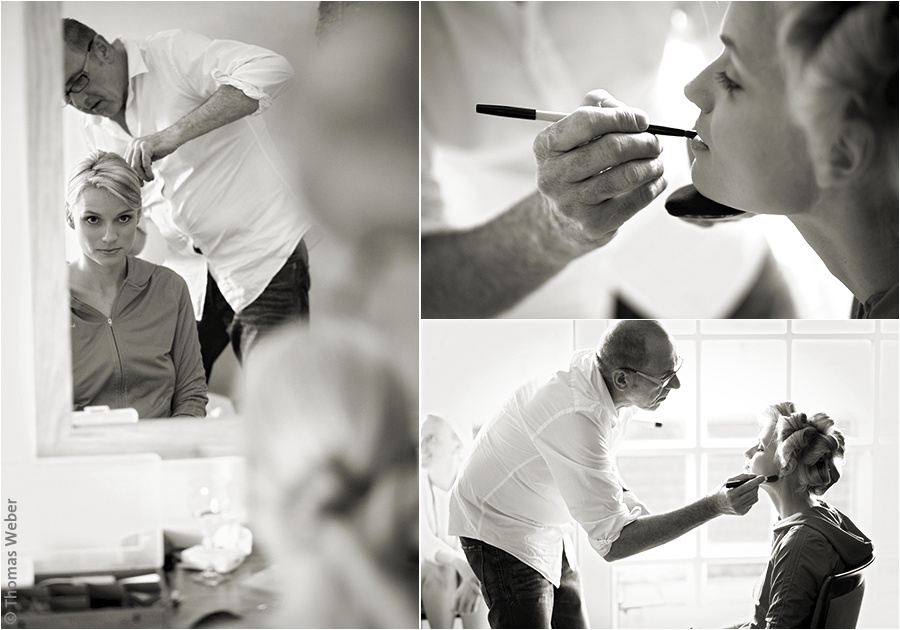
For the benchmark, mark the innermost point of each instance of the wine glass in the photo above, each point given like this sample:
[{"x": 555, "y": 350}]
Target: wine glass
[{"x": 209, "y": 507}]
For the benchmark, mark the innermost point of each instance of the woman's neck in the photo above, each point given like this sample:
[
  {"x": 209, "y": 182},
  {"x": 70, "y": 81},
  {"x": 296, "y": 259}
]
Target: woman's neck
[
  {"x": 100, "y": 278},
  {"x": 857, "y": 244},
  {"x": 786, "y": 500},
  {"x": 443, "y": 474}
]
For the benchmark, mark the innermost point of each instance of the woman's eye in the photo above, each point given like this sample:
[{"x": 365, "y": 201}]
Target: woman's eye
[
  {"x": 727, "y": 84},
  {"x": 91, "y": 220},
  {"x": 124, "y": 219}
]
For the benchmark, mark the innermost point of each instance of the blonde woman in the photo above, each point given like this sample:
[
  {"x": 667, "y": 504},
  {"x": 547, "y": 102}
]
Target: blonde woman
[
  {"x": 811, "y": 539},
  {"x": 134, "y": 336},
  {"x": 798, "y": 117},
  {"x": 449, "y": 586}
]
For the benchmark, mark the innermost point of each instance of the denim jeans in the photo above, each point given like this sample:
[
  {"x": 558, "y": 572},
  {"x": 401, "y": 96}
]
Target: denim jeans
[
  {"x": 518, "y": 596},
  {"x": 286, "y": 297}
]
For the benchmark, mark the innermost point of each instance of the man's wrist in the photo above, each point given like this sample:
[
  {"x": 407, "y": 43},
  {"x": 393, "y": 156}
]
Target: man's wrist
[
  {"x": 713, "y": 504},
  {"x": 568, "y": 238}
]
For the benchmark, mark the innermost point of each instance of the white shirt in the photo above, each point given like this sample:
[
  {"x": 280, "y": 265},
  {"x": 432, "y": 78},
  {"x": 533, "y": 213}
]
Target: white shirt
[
  {"x": 548, "y": 457},
  {"x": 548, "y": 55},
  {"x": 225, "y": 192}
]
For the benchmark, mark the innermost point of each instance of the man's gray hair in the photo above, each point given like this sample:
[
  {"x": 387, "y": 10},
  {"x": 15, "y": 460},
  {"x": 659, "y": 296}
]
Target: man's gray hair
[{"x": 625, "y": 343}]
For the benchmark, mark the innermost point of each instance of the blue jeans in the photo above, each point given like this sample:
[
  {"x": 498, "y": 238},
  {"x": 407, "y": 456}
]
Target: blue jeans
[
  {"x": 518, "y": 596},
  {"x": 285, "y": 298}
]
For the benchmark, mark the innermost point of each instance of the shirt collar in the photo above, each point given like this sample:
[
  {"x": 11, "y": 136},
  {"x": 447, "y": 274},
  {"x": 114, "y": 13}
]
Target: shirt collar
[
  {"x": 136, "y": 64},
  {"x": 594, "y": 385}
]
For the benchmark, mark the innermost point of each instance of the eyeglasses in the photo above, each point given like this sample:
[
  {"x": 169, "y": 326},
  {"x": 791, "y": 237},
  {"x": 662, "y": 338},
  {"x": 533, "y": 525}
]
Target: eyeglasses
[
  {"x": 81, "y": 81},
  {"x": 660, "y": 382}
]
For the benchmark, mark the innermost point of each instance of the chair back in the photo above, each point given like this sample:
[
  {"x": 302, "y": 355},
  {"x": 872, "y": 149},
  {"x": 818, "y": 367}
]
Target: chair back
[{"x": 840, "y": 599}]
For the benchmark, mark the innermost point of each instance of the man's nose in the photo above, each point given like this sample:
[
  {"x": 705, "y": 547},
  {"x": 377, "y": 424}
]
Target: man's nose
[
  {"x": 674, "y": 383},
  {"x": 78, "y": 101}
]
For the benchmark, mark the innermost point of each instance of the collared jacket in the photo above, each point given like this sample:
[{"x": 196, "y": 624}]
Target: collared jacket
[
  {"x": 807, "y": 547},
  {"x": 547, "y": 458},
  {"x": 146, "y": 355}
]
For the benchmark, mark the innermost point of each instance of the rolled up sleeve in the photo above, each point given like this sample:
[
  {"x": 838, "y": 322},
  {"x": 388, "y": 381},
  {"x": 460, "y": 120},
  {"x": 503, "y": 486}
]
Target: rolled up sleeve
[
  {"x": 579, "y": 453},
  {"x": 203, "y": 65}
]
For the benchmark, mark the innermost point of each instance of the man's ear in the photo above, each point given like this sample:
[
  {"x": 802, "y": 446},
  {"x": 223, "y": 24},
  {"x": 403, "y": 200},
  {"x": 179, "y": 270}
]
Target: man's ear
[
  {"x": 103, "y": 48},
  {"x": 620, "y": 379},
  {"x": 849, "y": 155}
]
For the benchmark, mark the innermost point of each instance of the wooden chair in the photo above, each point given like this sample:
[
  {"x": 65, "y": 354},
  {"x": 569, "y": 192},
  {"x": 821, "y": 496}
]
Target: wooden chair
[{"x": 840, "y": 599}]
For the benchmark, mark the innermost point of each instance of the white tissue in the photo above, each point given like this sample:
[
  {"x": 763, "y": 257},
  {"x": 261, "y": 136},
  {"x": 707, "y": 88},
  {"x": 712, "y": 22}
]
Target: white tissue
[{"x": 231, "y": 543}]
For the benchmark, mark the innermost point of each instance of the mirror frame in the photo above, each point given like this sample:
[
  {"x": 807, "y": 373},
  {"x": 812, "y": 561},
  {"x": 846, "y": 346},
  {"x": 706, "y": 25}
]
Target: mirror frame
[{"x": 54, "y": 433}]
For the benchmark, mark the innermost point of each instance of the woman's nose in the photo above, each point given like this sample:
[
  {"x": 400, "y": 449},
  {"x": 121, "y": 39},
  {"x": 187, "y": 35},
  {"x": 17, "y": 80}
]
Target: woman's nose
[
  {"x": 109, "y": 234},
  {"x": 698, "y": 90}
]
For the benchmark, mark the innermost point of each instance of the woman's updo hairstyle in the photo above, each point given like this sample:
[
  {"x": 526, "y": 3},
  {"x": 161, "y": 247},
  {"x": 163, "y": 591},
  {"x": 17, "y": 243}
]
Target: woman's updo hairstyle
[
  {"x": 812, "y": 446},
  {"x": 841, "y": 65},
  {"x": 105, "y": 171}
]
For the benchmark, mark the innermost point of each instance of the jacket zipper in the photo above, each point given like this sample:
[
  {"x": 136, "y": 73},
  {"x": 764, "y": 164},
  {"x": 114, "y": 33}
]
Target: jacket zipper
[{"x": 112, "y": 332}]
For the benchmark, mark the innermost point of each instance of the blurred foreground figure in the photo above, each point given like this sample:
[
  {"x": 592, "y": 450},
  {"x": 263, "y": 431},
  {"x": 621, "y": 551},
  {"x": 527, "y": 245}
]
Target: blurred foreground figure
[
  {"x": 331, "y": 411},
  {"x": 333, "y": 478}
]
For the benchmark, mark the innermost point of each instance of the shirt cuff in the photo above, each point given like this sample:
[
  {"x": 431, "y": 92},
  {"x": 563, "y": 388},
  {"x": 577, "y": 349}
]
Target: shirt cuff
[{"x": 250, "y": 90}]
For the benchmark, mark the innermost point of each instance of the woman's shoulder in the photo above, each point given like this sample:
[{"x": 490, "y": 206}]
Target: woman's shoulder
[{"x": 143, "y": 271}]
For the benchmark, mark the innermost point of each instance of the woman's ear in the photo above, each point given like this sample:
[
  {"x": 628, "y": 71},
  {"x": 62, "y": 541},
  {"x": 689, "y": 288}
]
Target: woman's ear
[
  {"x": 849, "y": 155},
  {"x": 69, "y": 218}
]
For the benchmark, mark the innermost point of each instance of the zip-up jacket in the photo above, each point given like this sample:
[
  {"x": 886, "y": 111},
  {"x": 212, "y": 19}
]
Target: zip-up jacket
[
  {"x": 146, "y": 355},
  {"x": 807, "y": 547}
]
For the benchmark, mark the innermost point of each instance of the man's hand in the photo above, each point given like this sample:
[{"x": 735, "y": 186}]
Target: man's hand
[
  {"x": 595, "y": 168},
  {"x": 142, "y": 152},
  {"x": 738, "y": 500}
]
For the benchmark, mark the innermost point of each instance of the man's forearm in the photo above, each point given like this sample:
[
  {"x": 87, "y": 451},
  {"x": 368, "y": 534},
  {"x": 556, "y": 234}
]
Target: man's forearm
[
  {"x": 226, "y": 105},
  {"x": 651, "y": 531},
  {"x": 486, "y": 270}
]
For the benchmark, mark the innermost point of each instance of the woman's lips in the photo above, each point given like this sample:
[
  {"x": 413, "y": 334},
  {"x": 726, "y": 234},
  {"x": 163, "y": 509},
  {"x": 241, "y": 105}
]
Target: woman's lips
[{"x": 698, "y": 145}]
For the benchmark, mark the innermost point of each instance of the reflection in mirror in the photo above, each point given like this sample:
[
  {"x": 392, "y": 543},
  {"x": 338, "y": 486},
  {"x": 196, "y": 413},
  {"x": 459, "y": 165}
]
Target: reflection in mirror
[{"x": 120, "y": 30}]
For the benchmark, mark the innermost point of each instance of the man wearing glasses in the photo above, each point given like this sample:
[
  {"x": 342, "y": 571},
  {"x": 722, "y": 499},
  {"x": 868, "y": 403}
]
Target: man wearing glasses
[
  {"x": 547, "y": 458},
  {"x": 182, "y": 110}
]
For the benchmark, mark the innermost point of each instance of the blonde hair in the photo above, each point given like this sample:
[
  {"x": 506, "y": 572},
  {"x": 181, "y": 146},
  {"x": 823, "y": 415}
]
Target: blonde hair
[
  {"x": 810, "y": 446},
  {"x": 105, "y": 171},
  {"x": 841, "y": 64}
]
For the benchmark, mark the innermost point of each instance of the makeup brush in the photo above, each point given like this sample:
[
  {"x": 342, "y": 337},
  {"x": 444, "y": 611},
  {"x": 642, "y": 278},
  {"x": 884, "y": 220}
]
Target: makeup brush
[
  {"x": 525, "y": 113},
  {"x": 741, "y": 482}
]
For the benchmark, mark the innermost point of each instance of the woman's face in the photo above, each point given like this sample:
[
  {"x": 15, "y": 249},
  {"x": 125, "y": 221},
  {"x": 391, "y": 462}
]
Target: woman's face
[
  {"x": 104, "y": 226},
  {"x": 748, "y": 153},
  {"x": 438, "y": 442},
  {"x": 760, "y": 458}
]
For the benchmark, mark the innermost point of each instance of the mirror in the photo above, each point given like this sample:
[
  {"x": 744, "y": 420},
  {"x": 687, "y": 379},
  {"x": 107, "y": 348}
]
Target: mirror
[{"x": 52, "y": 141}]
